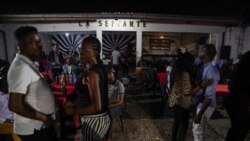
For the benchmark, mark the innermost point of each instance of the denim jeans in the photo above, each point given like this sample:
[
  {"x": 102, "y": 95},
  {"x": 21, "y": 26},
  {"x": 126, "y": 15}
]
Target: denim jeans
[{"x": 199, "y": 129}]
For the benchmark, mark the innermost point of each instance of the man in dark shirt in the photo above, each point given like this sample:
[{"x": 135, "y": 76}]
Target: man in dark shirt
[{"x": 56, "y": 59}]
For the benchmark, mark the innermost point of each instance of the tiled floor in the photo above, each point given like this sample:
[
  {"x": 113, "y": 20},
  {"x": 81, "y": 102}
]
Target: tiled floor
[{"x": 145, "y": 122}]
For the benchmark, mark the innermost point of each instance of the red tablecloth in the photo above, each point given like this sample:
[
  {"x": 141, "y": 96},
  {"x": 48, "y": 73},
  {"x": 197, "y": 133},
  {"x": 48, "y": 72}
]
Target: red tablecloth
[
  {"x": 222, "y": 89},
  {"x": 60, "y": 99},
  {"x": 47, "y": 73},
  {"x": 162, "y": 77},
  {"x": 56, "y": 88}
]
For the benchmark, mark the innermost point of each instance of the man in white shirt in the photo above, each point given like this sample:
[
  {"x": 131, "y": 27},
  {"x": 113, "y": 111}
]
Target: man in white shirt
[
  {"x": 30, "y": 99},
  {"x": 115, "y": 61}
]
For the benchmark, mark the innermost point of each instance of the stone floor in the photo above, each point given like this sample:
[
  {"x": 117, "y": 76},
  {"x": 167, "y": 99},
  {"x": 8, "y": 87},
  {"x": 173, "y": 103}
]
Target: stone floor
[{"x": 144, "y": 121}]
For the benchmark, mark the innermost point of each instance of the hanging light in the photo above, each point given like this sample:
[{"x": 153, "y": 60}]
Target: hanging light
[{"x": 162, "y": 37}]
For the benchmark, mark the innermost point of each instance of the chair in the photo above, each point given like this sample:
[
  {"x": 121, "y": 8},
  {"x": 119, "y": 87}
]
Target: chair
[{"x": 7, "y": 128}]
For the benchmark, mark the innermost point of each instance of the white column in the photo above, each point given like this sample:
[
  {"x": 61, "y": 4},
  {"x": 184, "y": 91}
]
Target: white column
[
  {"x": 218, "y": 45},
  {"x": 138, "y": 45},
  {"x": 99, "y": 36}
]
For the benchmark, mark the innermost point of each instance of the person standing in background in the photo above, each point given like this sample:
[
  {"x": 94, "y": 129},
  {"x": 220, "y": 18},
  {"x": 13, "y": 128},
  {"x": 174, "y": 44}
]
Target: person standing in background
[
  {"x": 115, "y": 61},
  {"x": 69, "y": 69},
  {"x": 31, "y": 98},
  {"x": 181, "y": 94},
  {"x": 56, "y": 60},
  {"x": 124, "y": 62},
  {"x": 207, "y": 96}
]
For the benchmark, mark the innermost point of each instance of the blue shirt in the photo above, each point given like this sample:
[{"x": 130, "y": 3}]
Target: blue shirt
[{"x": 210, "y": 71}]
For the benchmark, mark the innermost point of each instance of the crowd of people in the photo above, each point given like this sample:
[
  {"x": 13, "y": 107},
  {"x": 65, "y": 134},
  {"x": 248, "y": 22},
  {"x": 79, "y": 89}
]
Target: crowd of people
[{"x": 100, "y": 95}]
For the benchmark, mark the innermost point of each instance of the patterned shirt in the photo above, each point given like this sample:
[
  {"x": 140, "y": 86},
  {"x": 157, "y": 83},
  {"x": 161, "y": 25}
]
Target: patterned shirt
[{"x": 182, "y": 87}]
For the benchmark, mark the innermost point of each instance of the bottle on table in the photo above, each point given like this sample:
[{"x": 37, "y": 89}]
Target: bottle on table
[{"x": 63, "y": 89}]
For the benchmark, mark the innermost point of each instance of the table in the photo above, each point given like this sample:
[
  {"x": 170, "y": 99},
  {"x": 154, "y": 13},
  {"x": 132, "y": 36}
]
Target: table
[
  {"x": 221, "y": 92},
  {"x": 47, "y": 74},
  {"x": 60, "y": 99},
  {"x": 56, "y": 88},
  {"x": 222, "y": 89}
]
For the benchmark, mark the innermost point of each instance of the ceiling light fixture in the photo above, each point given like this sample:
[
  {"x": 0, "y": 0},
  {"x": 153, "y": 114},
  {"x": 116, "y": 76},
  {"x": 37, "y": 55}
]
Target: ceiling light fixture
[{"x": 162, "y": 37}]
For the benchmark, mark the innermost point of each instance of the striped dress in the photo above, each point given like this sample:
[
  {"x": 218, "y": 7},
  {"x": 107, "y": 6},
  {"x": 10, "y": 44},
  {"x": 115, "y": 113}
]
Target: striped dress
[{"x": 94, "y": 127}]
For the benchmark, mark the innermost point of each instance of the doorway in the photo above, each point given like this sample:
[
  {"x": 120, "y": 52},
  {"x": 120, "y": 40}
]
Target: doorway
[{"x": 124, "y": 42}]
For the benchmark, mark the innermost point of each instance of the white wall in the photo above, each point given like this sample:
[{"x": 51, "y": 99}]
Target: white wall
[
  {"x": 94, "y": 26},
  {"x": 239, "y": 40}
]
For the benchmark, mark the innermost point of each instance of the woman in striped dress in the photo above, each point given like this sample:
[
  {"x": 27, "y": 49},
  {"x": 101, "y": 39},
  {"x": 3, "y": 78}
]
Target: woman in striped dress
[{"x": 92, "y": 90}]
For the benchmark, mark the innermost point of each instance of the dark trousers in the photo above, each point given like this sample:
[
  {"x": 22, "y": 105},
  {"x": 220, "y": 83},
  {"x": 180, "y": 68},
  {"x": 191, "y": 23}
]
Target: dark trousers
[
  {"x": 46, "y": 134},
  {"x": 116, "y": 68},
  {"x": 181, "y": 120},
  {"x": 240, "y": 123},
  {"x": 56, "y": 73},
  {"x": 164, "y": 98},
  {"x": 6, "y": 138},
  {"x": 124, "y": 69}
]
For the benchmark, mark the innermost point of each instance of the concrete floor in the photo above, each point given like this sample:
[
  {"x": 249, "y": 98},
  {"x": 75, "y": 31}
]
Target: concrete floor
[{"x": 144, "y": 121}]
